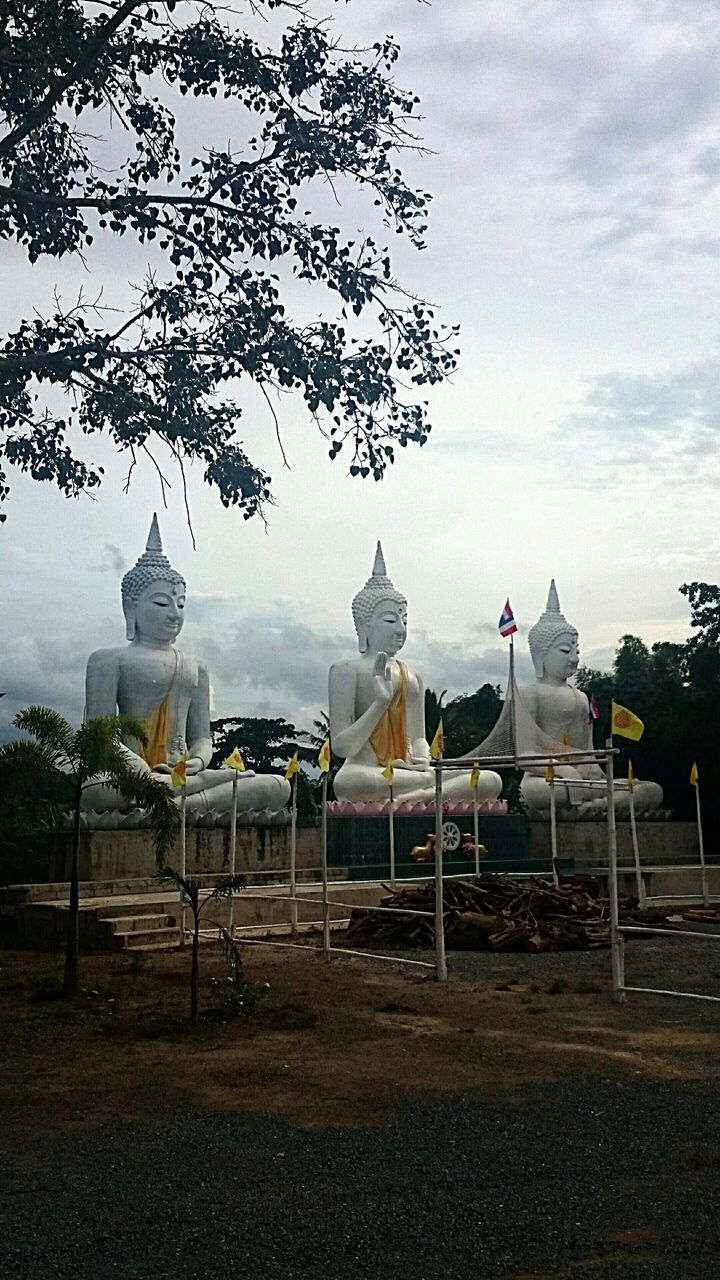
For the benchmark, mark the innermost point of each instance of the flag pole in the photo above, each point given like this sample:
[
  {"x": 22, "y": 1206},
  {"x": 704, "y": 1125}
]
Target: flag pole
[
  {"x": 553, "y": 829},
  {"x": 233, "y": 849},
  {"x": 701, "y": 844},
  {"x": 617, "y": 941},
  {"x": 476, "y": 829},
  {"x": 293, "y": 858},
  {"x": 325, "y": 904},
  {"x": 183, "y": 859},
  {"x": 639, "y": 883},
  {"x": 392, "y": 839},
  {"x": 513, "y": 709},
  {"x": 440, "y": 961}
]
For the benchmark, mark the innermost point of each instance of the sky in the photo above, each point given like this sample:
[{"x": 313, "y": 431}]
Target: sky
[{"x": 574, "y": 163}]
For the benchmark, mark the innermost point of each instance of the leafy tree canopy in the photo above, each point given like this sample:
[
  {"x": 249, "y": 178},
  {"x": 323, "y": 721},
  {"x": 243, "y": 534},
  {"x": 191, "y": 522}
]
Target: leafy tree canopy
[{"x": 221, "y": 225}]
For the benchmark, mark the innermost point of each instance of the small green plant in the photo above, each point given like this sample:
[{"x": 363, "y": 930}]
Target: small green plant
[{"x": 192, "y": 897}]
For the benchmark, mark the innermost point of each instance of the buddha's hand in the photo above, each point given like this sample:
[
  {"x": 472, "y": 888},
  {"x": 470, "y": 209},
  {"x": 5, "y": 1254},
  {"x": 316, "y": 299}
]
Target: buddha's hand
[{"x": 382, "y": 680}]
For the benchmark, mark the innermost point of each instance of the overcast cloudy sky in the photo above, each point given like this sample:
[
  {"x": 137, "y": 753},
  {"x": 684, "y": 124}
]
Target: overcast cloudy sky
[{"x": 573, "y": 235}]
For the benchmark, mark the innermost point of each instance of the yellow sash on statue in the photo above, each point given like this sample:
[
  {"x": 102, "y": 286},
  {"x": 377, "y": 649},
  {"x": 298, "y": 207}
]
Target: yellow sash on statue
[
  {"x": 157, "y": 725},
  {"x": 389, "y": 737}
]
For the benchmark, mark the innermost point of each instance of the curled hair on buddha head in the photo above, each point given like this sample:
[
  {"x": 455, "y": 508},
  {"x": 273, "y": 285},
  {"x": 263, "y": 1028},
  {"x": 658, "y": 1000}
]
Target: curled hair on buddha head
[
  {"x": 549, "y": 627},
  {"x": 153, "y": 566},
  {"x": 377, "y": 588}
]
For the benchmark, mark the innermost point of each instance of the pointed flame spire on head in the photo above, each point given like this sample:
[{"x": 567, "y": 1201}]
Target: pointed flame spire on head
[
  {"x": 553, "y": 603},
  {"x": 154, "y": 542},
  {"x": 378, "y": 587},
  {"x": 379, "y": 570}
]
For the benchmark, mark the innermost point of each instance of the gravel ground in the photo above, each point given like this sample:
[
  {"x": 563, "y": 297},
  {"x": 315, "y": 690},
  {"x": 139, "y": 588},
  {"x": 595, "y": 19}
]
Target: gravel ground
[{"x": 593, "y": 1179}]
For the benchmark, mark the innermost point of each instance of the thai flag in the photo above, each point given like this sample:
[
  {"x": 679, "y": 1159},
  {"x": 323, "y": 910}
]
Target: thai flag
[
  {"x": 593, "y": 712},
  {"x": 507, "y": 621}
]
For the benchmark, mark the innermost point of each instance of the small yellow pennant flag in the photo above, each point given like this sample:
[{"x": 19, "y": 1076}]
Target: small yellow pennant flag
[
  {"x": 292, "y": 768},
  {"x": 235, "y": 761},
  {"x": 631, "y": 775},
  {"x": 389, "y": 772},
  {"x": 694, "y": 775},
  {"x": 625, "y": 724},
  {"x": 324, "y": 756},
  {"x": 475, "y": 777},
  {"x": 178, "y": 777},
  {"x": 437, "y": 746},
  {"x": 550, "y": 774}
]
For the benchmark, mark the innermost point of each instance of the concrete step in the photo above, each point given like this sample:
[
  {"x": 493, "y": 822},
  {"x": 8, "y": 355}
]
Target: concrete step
[
  {"x": 133, "y": 924},
  {"x": 145, "y": 939}
]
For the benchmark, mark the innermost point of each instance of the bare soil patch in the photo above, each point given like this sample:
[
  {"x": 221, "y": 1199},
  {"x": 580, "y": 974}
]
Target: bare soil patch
[{"x": 345, "y": 1043}]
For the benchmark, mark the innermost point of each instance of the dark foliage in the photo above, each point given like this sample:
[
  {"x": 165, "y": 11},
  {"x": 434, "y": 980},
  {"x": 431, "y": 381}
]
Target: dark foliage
[{"x": 220, "y": 228}]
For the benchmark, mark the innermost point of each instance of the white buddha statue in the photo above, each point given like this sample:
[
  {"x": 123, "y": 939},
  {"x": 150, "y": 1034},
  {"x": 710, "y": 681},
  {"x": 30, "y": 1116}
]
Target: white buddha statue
[
  {"x": 560, "y": 714},
  {"x": 377, "y": 709},
  {"x": 170, "y": 692}
]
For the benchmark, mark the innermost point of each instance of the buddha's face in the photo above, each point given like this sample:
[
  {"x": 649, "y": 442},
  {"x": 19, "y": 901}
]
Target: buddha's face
[
  {"x": 561, "y": 660},
  {"x": 160, "y": 612},
  {"x": 387, "y": 628}
]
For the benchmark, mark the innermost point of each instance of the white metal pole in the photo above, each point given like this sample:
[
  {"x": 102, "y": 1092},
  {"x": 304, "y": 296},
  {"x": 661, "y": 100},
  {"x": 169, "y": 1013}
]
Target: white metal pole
[
  {"x": 325, "y": 904},
  {"x": 511, "y": 684},
  {"x": 183, "y": 860},
  {"x": 440, "y": 961},
  {"x": 233, "y": 851},
  {"x": 553, "y": 831},
  {"x": 701, "y": 844},
  {"x": 293, "y": 858},
  {"x": 392, "y": 840},
  {"x": 639, "y": 883},
  {"x": 476, "y": 831},
  {"x": 616, "y": 938}
]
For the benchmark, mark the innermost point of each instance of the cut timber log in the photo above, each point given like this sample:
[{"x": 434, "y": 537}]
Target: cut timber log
[{"x": 493, "y": 913}]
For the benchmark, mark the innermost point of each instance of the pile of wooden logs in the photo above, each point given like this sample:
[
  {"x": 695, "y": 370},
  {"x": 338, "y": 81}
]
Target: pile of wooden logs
[{"x": 492, "y": 912}]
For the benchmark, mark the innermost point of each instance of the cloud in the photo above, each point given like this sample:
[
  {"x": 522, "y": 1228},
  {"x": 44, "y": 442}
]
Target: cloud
[
  {"x": 113, "y": 560},
  {"x": 669, "y": 420}
]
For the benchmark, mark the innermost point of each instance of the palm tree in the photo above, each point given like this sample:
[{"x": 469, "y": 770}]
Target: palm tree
[
  {"x": 190, "y": 891},
  {"x": 71, "y": 760}
]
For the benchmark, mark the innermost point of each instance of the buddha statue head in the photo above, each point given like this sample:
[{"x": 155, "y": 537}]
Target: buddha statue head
[
  {"x": 553, "y": 642},
  {"x": 153, "y": 594},
  {"x": 380, "y": 612}
]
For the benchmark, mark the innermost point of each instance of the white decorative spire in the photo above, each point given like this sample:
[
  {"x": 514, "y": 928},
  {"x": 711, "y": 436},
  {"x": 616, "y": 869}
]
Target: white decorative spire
[
  {"x": 154, "y": 542},
  {"x": 553, "y": 604},
  {"x": 379, "y": 570}
]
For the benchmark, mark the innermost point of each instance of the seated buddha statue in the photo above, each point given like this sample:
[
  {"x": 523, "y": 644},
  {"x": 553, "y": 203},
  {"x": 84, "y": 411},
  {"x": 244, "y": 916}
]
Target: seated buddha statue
[
  {"x": 377, "y": 709},
  {"x": 560, "y": 714},
  {"x": 156, "y": 683}
]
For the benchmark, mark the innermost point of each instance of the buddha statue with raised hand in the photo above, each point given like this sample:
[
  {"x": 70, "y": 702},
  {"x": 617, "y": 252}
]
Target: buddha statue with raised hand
[
  {"x": 155, "y": 682},
  {"x": 560, "y": 713},
  {"x": 377, "y": 708}
]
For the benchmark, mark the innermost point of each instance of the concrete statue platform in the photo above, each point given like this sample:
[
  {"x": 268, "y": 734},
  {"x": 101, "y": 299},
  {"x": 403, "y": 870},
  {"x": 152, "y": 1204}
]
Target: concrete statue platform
[{"x": 117, "y": 855}]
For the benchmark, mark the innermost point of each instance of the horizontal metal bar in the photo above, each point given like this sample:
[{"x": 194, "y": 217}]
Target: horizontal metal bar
[
  {"x": 397, "y": 911},
  {"x": 684, "y": 995},
  {"x": 371, "y": 955},
  {"x": 522, "y": 759},
  {"x": 671, "y": 933}
]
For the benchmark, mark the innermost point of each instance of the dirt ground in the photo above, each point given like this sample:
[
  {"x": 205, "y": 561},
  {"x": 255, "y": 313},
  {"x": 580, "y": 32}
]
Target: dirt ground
[{"x": 345, "y": 1043}]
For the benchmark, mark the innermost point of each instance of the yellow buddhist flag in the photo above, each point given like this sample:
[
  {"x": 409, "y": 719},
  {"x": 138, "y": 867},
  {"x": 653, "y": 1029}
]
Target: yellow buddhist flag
[
  {"x": 631, "y": 775},
  {"x": 178, "y": 777},
  {"x": 694, "y": 775},
  {"x": 235, "y": 761},
  {"x": 388, "y": 772},
  {"x": 292, "y": 768},
  {"x": 324, "y": 756},
  {"x": 437, "y": 746},
  {"x": 625, "y": 724},
  {"x": 475, "y": 777},
  {"x": 550, "y": 774}
]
